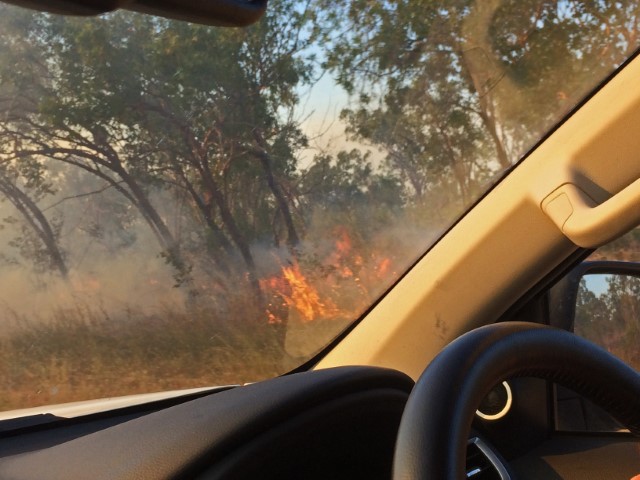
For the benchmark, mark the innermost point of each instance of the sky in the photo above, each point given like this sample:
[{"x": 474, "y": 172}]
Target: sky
[{"x": 597, "y": 283}]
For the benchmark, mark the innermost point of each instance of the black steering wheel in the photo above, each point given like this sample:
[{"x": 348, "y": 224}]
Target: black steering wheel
[{"x": 435, "y": 425}]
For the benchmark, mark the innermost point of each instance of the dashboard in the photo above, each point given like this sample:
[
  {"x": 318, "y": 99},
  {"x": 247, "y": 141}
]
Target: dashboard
[{"x": 337, "y": 423}]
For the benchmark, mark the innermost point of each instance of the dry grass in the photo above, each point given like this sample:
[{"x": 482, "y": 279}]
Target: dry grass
[{"x": 82, "y": 353}]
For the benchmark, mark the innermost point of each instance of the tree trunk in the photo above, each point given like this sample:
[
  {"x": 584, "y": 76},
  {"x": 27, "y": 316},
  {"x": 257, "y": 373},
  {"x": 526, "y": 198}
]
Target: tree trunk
[
  {"x": 283, "y": 205},
  {"x": 484, "y": 73},
  {"x": 38, "y": 223}
]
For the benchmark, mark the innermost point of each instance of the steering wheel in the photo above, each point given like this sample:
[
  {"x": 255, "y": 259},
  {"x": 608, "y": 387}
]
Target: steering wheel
[{"x": 435, "y": 425}]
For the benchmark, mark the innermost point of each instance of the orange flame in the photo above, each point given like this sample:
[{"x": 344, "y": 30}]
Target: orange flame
[
  {"x": 343, "y": 243},
  {"x": 292, "y": 290},
  {"x": 383, "y": 267},
  {"x": 344, "y": 276},
  {"x": 304, "y": 297}
]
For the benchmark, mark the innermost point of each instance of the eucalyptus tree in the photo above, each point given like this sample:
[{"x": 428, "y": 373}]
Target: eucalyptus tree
[
  {"x": 465, "y": 87},
  {"x": 24, "y": 185},
  {"x": 149, "y": 105}
]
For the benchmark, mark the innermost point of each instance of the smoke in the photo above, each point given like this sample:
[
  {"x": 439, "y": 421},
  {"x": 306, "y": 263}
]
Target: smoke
[{"x": 114, "y": 261}]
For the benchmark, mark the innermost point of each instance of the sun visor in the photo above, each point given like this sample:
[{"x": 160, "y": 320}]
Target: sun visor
[{"x": 230, "y": 13}]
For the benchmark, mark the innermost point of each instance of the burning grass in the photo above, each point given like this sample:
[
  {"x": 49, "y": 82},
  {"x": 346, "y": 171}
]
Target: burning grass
[{"x": 80, "y": 351}]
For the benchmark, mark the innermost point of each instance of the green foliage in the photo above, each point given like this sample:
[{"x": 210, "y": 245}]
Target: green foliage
[
  {"x": 450, "y": 94},
  {"x": 550, "y": 51},
  {"x": 459, "y": 90},
  {"x": 168, "y": 105},
  {"x": 350, "y": 192}
]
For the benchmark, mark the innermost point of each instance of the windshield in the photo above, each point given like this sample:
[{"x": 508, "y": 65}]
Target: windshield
[{"x": 186, "y": 206}]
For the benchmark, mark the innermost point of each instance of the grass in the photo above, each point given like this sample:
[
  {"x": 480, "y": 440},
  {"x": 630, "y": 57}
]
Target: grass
[{"x": 81, "y": 353}]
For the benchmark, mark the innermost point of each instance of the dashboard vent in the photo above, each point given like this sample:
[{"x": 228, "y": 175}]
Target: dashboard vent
[{"x": 482, "y": 463}]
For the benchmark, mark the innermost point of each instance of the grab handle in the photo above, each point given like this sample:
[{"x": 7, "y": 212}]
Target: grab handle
[{"x": 588, "y": 224}]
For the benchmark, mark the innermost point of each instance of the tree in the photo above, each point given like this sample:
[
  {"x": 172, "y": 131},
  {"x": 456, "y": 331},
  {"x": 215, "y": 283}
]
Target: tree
[
  {"x": 462, "y": 90},
  {"x": 591, "y": 314},
  {"x": 623, "y": 304},
  {"x": 23, "y": 185},
  {"x": 55, "y": 108},
  {"x": 405, "y": 63},
  {"x": 171, "y": 106}
]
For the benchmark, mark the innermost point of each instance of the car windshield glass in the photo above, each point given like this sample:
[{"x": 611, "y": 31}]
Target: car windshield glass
[{"x": 186, "y": 206}]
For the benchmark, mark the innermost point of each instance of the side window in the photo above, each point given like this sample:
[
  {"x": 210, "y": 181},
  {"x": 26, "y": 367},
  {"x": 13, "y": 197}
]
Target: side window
[
  {"x": 607, "y": 304},
  {"x": 599, "y": 301},
  {"x": 607, "y": 313}
]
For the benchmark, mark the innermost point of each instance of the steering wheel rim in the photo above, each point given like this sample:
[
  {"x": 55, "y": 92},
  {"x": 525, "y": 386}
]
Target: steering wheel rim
[{"x": 435, "y": 425}]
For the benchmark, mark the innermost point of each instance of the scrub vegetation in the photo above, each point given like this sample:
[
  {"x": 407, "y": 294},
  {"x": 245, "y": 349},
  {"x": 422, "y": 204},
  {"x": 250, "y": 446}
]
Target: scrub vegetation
[
  {"x": 81, "y": 353},
  {"x": 185, "y": 206}
]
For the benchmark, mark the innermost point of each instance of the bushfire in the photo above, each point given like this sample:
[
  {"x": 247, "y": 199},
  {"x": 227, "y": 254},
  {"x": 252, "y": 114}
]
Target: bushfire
[{"x": 345, "y": 283}]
